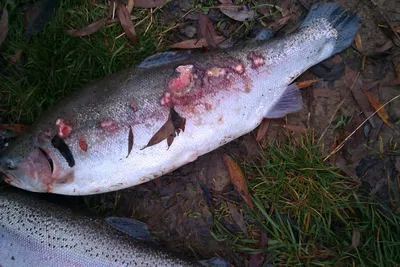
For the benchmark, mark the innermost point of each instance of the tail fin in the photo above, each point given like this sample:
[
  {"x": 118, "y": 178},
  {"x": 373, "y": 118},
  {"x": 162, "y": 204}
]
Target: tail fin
[{"x": 345, "y": 23}]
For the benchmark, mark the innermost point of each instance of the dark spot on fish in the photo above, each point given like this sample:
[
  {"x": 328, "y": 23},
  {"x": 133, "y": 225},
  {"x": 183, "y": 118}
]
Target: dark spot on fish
[
  {"x": 130, "y": 140},
  {"x": 12, "y": 258},
  {"x": 61, "y": 146}
]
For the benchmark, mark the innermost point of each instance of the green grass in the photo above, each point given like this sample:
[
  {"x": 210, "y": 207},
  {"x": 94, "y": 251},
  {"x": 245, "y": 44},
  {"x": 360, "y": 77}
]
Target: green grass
[
  {"x": 58, "y": 63},
  {"x": 311, "y": 213}
]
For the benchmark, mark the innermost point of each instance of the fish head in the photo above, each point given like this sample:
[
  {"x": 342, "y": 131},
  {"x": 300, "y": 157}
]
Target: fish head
[{"x": 24, "y": 164}]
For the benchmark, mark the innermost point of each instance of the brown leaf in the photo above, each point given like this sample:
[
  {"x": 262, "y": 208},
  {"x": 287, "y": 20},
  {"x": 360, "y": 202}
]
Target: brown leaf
[
  {"x": 89, "y": 29},
  {"x": 149, "y": 3},
  {"x": 173, "y": 125},
  {"x": 358, "y": 41},
  {"x": 126, "y": 22},
  {"x": 355, "y": 239},
  {"x": 194, "y": 43},
  {"x": 354, "y": 82},
  {"x": 396, "y": 27},
  {"x": 18, "y": 128},
  {"x": 237, "y": 217},
  {"x": 262, "y": 129},
  {"x": 377, "y": 105},
  {"x": 304, "y": 84},
  {"x": 386, "y": 46},
  {"x": 207, "y": 30},
  {"x": 3, "y": 26},
  {"x": 276, "y": 25},
  {"x": 130, "y": 140},
  {"x": 237, "y": 178},
  {"x": 239, "y": 13},
  {"x": 130, "y": 5}
]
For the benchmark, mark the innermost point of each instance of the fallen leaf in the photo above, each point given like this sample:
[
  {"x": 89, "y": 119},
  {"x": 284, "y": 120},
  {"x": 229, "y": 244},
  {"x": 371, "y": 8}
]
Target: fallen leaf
[
  {"x": 225, "y": 1},
  {"x": 126, "y": 22},
  {"x": 294, "y": 128},
  {"x": 237, "y": 178},
  {"x": 304, "y": 84},
  {"x": 377, "y": 105},
  {"x": 148, "y": 3},
  {"x": 358, "y": 41},
  {"x": 130, "y": 5},
  {"x": 16, "y": 57},
  {"x": 194, "y": 43},
  {"x": 3, "y": 26},
  {"x": 237, "y": 217},
  {"x": 386, "y": 46},
  {"x": 207, "y": 30},
  {"x": 239, "y": 13},
  {"x": 262, "y": 129},
  {"x": 130, "y": 140},
  {"x": 396, "y": 27},
  {"x": 276, "y": 25},
  {"x": 354, "y": 83},
  {"x": 256, "y": 260},
  {"x": 355, "y": 239},
  {"x": 88, "y": 29},
  {"x": 17, "y": 128},
  {"x": 170, "y": 128}
]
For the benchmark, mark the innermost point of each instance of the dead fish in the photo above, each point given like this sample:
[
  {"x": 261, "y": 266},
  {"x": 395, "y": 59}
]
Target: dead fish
[
  {"x": 170, "y": 109},
  {"x": 36, "y": 232}
]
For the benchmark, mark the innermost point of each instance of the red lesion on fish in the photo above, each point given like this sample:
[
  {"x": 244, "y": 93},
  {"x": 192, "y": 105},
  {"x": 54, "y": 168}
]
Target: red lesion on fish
[
  {"x": 109, "y": 126},
  {"x": 256, "y": 58},
  {"x": 220, "y": 119},
  {"x": 208, "y": 106},
  {"x": 64, "y": 129},
  {"x": 238, "y": 68},
  {"x": 83, "y": 144},
  {"x": 134, "y": 106}
]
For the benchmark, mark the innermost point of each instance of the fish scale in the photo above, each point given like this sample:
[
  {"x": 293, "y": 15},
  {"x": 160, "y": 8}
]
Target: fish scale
[{"x": 220, "y": 96}]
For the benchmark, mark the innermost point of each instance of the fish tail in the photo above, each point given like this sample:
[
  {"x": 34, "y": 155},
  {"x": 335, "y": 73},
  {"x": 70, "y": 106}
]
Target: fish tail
[{"x": 344, "y": 22}]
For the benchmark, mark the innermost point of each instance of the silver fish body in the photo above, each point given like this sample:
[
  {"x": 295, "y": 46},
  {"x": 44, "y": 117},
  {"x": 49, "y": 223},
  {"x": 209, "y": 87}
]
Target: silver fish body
[
  {"x": 141, "y": 123},
  {"x": 35, "y": 232}
]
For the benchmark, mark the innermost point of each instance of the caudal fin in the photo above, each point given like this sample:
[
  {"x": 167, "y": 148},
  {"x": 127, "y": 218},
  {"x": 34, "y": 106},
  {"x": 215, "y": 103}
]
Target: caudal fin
[{"x": 345, "y": 23}]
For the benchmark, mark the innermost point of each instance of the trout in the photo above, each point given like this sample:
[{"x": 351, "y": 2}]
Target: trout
[
  {"x": 36, "y": 232},
  {"x": 141, "y": 123}
]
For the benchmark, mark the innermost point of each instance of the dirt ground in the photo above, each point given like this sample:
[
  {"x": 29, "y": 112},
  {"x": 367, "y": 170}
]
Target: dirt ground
[{"x": 178, "y": 207}]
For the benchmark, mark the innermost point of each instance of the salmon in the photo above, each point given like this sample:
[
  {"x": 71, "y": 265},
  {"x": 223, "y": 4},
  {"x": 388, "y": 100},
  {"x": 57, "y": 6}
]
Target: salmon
[{"x": 141, "y": 123}]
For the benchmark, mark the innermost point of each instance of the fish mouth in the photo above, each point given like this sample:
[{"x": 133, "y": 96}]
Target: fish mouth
[{"x": 49, "y": 159}]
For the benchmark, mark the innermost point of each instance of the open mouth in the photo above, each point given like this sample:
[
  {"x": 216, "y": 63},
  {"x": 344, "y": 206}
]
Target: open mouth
[{"x": 48, "y": 159}]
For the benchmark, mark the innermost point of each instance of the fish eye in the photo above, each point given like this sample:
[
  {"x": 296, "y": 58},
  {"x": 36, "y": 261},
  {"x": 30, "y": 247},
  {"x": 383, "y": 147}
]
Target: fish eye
[{"x": 10, "y": 165}]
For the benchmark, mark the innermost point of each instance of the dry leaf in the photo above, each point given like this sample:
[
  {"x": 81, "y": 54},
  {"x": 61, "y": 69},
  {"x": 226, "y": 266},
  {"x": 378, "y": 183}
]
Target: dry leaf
[
  {"x": 376, "y": 105},
  {"x": 355, "y": 239},
  {"x": 130, "y": 140},
  {"x": 3, "y": 26},
  {"x": 149, "y": 3},
  {"x": 304, "y": 84},
  {"x": 17, "y": 128},
  {"x": 169, "y": 130},
  {"x": 89, "y": 29},
  {"x": 237, "y": 217},
  {"x": 239, "y": 13},
  {"x": 262, "y": 129},
  {"x": 130, "y": 5},
  {"x": 207, "y": 30},
  {"x": 237, "y": 178},
  {"x": 126, "y": 22},
  {"x": 194, "y": 43},
  {"x": 354, "y": 82},
  {"x": 358, "y": 41},
  {"x": 396, "y": 27}
]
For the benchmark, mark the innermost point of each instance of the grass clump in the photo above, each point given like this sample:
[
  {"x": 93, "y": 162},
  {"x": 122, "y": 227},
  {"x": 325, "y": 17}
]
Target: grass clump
[
  {"x": 311, "y": 214},
  {"x": 55, "y": 63}
]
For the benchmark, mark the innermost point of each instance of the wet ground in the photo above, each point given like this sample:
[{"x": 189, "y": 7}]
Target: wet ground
[{"x": 179, "y": 207}]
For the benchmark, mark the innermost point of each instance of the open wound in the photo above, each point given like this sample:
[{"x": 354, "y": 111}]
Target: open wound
[{"x": 169, "y": 130}]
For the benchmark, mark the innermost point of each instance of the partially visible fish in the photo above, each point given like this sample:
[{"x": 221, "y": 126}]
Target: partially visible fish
[
  {"x": 141, "y": 123},
  {"x": 35, "y": 232}
]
